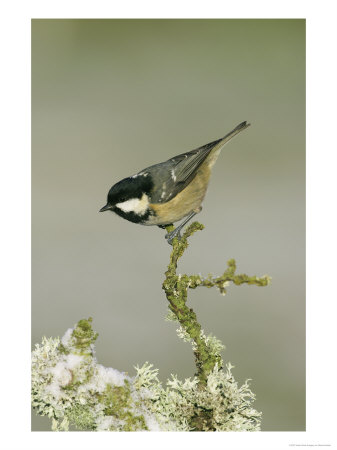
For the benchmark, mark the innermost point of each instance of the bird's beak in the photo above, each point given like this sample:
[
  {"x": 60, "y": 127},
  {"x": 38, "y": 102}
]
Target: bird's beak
[{"x": 105, "y": 208}]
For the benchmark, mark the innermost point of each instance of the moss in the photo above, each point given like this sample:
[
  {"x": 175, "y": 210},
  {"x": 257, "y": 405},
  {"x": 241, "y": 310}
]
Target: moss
[
  {"x": 84, "y": 335},
  {"x": 63, "y": 350},
  {"x": 118, "y": 403}
]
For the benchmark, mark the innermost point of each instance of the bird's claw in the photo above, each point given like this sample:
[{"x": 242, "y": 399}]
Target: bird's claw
[{"x": 170, "y": 236}]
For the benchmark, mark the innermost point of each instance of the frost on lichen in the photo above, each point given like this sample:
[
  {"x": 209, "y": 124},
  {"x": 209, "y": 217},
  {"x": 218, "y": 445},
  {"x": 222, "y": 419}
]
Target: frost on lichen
[{"x": 70, "y": 387}]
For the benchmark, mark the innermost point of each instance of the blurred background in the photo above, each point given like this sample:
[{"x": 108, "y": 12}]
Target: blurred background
[{"x": 111, "y": 97}]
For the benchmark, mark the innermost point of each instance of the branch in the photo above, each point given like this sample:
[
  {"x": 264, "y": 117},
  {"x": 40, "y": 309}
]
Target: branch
[
  {"x": 175, "y": 287},
  {"x": 70, "y": 387}
]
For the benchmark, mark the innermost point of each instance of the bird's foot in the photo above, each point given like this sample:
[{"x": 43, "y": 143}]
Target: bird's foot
[{"x": 170, "y": 236}]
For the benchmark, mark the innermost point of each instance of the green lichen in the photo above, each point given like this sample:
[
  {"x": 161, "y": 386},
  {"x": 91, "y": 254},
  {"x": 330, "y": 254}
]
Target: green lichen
[
  {"x": 82, "y": 417},
  {"x": 118, "y": 404},
  {"x": 206, "y": 349},
  {"x": 105, "y": 399},
  {"x": 84, "y": 335},
  {"x": 70, "y": 387}
]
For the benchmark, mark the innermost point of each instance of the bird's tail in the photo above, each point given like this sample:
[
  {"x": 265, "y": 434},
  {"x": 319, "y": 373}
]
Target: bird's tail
[
  {"x": 242, "y": 126},
  {"x": 215, "y": 147},
  {"x": 219, "y": 143}
]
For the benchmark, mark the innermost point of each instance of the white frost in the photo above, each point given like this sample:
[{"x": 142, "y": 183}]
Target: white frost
[
  {"x": 104, "y": 423},
  {"x": 106, "y": 375},
  {"x": 55, "y": 390},
  {"x": 73, "y": 361},
  {"x": 67, "y": 337},
  {"x": 152, "y": 423},
  {"x": 61, "y": 374}
]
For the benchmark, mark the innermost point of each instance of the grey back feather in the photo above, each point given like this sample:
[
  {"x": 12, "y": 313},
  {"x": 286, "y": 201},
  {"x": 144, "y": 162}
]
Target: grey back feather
[{"x": 172, "y": 176}]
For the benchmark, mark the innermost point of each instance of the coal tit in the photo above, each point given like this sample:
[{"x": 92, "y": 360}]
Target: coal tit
[{"x": 167, "y": 192}]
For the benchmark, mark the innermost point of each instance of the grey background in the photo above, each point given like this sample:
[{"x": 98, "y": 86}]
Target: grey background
[{"x": 110, "y": 97}]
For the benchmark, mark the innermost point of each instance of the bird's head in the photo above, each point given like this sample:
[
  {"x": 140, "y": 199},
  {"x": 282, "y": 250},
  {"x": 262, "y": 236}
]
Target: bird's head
[{"x": 129, "y": 197}]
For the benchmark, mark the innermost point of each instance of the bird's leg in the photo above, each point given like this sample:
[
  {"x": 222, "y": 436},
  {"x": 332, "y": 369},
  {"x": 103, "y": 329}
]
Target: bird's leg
[{"x": 176, "y": 232}]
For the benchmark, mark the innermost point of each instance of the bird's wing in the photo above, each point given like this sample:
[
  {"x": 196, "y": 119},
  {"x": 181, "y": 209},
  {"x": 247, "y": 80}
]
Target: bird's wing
[{"x": 172, "y": 176}]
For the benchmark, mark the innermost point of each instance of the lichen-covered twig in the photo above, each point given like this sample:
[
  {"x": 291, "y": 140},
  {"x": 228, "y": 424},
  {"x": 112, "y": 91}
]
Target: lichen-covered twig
[
  {"x": 70, "y": 387},
  {"x": 176, "y": 288}
]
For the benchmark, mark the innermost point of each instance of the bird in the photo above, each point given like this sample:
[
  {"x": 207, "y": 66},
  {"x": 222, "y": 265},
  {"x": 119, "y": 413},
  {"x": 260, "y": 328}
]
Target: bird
[{"x": 170, "y": 191}]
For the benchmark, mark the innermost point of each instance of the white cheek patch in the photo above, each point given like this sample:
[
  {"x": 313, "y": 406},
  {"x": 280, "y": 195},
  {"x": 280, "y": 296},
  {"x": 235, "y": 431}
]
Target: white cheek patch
[{"x": 136, "y": 205}]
